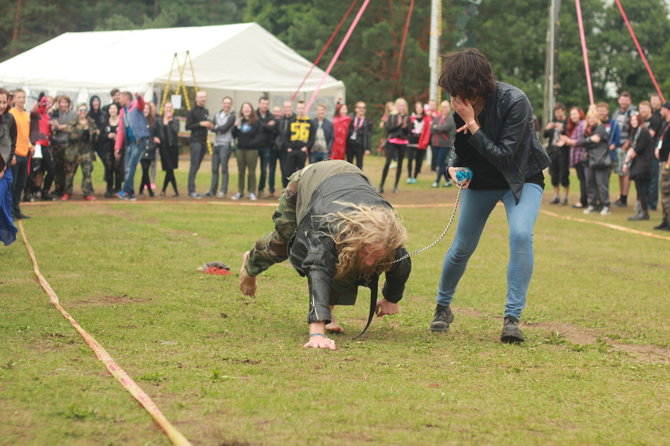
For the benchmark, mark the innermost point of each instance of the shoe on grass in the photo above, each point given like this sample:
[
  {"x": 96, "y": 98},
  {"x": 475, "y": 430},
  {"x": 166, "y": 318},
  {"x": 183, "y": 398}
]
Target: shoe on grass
[
  {"x": 442, "y": 318},
  {"x": 511, "y": 333}
]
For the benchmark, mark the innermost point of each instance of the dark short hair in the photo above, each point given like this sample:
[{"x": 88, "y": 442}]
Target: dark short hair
[
  {"x": 5, "y": 92},
  {"x": 114, "y": 91},
  {"x": 559, "y": 106},
  {"x": 467, "y": 74},
  {"x": 263, "y": 98},
  {"x": 625, "y": 94}
]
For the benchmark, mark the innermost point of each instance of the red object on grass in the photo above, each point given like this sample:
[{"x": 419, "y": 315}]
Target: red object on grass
[{"x": 218, "y": 271}]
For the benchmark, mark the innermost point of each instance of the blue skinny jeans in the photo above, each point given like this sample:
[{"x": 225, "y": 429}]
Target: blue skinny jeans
[{"x": 476, "y": 206}]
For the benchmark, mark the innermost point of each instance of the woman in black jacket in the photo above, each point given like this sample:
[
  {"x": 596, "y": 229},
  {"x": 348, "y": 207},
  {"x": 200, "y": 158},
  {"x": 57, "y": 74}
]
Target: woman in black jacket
[
  {"x": 398, "y": 130},
  {"x": 149, "y": 155},
  {"x": 638, "y": 163},
  {"x": 598, "y": 162},
  {"x": 113, "y": 165},
  {"x": 496, "y": 143},
  {"x": 249, "y": 134},
  {"x": 169, "y": 147},
  {"x": 98, "y": 116}
]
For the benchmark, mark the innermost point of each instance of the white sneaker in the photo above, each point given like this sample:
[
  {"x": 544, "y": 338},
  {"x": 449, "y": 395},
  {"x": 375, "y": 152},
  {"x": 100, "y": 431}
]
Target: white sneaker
[
  {"x": 237, "y": 196},
  {"x": 589, "y": 210},
  {"x": 252, "y": 196},
  {"x": 605, "y": 210},
  {"x": 220, "y": 195}
]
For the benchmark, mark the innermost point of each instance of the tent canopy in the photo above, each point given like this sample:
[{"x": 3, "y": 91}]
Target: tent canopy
[{"x": 242, "y": 60}]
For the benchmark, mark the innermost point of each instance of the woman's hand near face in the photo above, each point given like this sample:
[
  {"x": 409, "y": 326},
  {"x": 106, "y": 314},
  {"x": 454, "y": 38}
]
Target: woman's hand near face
[{"x": 464, "y": 109}]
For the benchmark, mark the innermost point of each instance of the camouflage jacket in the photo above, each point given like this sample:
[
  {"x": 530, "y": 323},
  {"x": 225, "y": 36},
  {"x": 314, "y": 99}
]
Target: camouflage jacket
[{"x": 81, "y": 140}]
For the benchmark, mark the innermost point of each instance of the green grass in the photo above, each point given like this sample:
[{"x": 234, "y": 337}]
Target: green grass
[{"x": 226, "y": 369}]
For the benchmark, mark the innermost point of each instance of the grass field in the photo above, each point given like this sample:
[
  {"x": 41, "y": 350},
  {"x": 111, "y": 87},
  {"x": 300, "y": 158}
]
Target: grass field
[{"x": 230, "y": 370}]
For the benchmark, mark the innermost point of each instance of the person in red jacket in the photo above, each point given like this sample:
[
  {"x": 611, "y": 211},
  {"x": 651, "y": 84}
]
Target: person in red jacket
[
  {"x": 42, "y": 165},
  {"x": 341, "y": 122}
]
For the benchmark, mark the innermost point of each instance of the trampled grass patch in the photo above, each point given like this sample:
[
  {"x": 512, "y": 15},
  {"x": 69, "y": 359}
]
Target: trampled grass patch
[{"x": 227, "y": 369}]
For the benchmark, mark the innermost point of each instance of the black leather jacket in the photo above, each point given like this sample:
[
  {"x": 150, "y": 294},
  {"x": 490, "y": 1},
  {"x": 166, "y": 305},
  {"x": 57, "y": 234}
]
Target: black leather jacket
[
  {"x": 506, "y": 137},
  {"x": 313, "y": 253}
]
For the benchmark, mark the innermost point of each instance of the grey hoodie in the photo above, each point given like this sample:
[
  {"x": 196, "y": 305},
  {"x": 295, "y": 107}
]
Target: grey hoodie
[{"x": 223, "y": 126}]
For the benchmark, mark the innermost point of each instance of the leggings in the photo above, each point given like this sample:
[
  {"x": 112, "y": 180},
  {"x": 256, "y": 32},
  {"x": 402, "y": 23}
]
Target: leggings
[
  {"x": 415, "y": 154},
  {"x": 581, "y": 176},
  {"x": 170, "y": 179},
  {"x": 394, "y": 151},
  {"x": 146, "y": 179}
]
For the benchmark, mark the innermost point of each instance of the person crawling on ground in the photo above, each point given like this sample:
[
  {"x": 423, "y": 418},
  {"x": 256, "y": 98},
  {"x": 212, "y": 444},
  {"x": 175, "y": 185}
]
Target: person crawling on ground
[{"x": 339, "y": 233}]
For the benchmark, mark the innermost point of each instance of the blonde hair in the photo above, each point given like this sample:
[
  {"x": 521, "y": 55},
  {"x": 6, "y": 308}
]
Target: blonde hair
[
  {"x": 593, "y": 113},
  {"x": 395, "y": 106},
  {"x": 373, "y": 226}
]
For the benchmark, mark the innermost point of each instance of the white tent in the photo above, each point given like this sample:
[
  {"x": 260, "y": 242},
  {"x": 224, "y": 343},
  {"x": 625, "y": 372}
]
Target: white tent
[{"x": 243, "y": 61}]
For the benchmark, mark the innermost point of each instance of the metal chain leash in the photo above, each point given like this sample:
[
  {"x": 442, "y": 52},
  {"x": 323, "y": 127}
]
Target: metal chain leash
[{"x": 446, "y": 229}]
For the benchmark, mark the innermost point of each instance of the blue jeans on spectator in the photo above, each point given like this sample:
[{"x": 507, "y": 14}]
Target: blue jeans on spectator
[
  {"x": 442, "y": 154},
  {"x": 20, "y": 174},
  {"x": 134, "y": 152},
  {"x": 652, "y": 195},
  {"x": 265, "y": 153},
  {"x": 220, "y": 157},
  {"x": 315, "y": 157},
  {"x": 198, "y": 149},
  {"x": 476, "y": 206}
]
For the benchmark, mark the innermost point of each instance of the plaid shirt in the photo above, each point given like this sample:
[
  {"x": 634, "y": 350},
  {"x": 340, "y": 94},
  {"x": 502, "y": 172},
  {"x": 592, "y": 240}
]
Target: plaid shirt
[{"x": 577, "y": 153}]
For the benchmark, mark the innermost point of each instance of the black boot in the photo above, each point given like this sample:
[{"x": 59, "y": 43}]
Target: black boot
[
  {"x": 441, "y": 320},
  {"x": 642, "y": 215},
  {"x": 664, "y": 226},
  {"x": 511, "y": 333}
]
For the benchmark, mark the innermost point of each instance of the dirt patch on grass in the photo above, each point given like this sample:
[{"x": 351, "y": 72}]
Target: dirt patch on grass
[
  {"x": 108, "y": 300},
  {"x": 588, "y": 336},
  {"x": 572, "y": 333}
]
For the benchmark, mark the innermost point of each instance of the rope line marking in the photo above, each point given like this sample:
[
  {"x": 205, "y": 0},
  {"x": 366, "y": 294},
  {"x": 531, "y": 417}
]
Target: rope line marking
[
  {"x": 126, "y": 381},
  {"x": 607, "y": 225}
]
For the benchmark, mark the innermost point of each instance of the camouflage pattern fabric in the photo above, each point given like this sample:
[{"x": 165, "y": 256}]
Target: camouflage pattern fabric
[
  {"x": 273, "y": 247},
  {"x": 58, "y": 154},
  {"x": 79, "y": 152},
  {"x": 665, "y": 191}
]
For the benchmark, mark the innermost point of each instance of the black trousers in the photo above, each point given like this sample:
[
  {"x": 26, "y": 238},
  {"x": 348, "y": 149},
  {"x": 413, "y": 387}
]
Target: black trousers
[
  {"x": 559, "y": 169},
  {"x": 355, "y": 150},
  {"x": 295, "y": 160},
  {"x": 414, "y": 154},
  {"x": 394, "y": 151},
  {"x": 581, "y": 175}
]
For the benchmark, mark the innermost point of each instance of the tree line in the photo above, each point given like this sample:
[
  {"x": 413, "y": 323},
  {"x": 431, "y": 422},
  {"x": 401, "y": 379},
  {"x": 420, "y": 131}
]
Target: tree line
[{"x": 512, "y": 33}]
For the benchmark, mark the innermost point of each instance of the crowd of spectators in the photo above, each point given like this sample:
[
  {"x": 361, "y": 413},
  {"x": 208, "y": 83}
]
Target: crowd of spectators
[
  {"x": 46, "y": 146},
  {"x": 632, "y": 142}
]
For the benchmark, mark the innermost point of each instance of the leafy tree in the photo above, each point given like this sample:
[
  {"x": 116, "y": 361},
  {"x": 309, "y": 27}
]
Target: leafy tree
[{"x": 512, "y": 34}]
